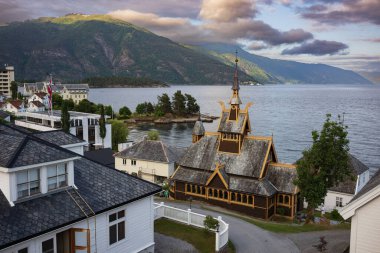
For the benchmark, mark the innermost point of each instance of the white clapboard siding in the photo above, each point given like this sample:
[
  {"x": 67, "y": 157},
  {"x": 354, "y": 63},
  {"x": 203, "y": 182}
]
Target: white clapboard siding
[
  {"x": 139, "y": 231},
  {"x": 365, "y": 228}
]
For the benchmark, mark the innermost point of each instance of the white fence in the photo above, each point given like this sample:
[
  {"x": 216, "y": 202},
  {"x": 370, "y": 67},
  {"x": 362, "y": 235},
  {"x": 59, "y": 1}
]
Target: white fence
[{"x": 190, "y": 218}]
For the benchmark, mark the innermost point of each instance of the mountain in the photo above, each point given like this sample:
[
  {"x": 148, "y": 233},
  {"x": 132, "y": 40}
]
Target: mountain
[
  {"x": 282, "y": 71},
  {"x": 373, "y": 76},
  {"x": 74, "y": 47}
]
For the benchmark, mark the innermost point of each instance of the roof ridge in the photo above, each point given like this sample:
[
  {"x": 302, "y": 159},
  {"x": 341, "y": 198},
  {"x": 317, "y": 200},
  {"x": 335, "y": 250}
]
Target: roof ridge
[
  {"x": 163, "y": 148},
  {"x": 20, "y": 147}
]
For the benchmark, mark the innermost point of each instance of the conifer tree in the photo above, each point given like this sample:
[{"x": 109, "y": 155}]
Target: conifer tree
[{"x": 65, "y": 118}]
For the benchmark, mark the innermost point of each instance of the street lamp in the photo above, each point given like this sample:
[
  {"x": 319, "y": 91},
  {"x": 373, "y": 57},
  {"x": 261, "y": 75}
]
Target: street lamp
[{"x": 190, "y": 199}]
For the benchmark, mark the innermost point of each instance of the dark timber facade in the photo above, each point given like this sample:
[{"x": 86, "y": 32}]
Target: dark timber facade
[{"x": 235, "y": 170}]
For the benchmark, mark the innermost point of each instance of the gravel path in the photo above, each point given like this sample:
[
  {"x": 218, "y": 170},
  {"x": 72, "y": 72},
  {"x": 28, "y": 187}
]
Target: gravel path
[
  {"x": 337, "y": 240},
  {"x": 247, "y": 237},
  {"x": 167, "y": 244}
]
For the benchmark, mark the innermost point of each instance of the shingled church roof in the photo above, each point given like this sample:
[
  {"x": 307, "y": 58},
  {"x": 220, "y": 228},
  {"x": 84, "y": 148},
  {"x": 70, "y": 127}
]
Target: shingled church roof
[{"x": 233, "y": 126}]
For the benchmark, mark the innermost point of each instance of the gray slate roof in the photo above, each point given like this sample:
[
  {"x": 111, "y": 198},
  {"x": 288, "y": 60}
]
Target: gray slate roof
[
  {"x": 349, "y": 184},
  {"x": 58, "y": 137},
  {"x": 151, "y": 151},
  {"x": 232, "y": 126},
  {"x": 372, "y": 183},
  {"x": 235, "y": 183},
  {"x": 282, "y": 177},
  {"x": 204, "y": 155},
  {"x": 103, "y": 188},
  {"x": 103, "y": 156},
  {"x": 23, "y": 149}
]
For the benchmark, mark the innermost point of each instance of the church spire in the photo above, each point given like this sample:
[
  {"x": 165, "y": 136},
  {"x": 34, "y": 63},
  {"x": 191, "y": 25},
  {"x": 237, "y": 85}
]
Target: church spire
[
  {"x": 235, "y": 99},
  {"x": 236, "y": 78}
]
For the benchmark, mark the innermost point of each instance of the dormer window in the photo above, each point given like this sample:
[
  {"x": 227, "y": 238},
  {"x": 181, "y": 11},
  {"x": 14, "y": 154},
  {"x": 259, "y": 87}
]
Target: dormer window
[
  {"x": 28, "y": 183},
  {"x": 57, "y": 176}
]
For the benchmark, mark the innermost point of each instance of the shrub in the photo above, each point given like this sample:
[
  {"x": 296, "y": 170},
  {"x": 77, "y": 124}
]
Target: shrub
[
  {"x": 336, "y": 216},
  {"x": 210, "y": 223}
]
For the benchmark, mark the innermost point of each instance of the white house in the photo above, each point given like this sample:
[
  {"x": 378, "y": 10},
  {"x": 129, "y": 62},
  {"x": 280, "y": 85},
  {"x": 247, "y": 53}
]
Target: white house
[
  {"x": 42, "y": 97},
  {"x": 76, "y": 92},
  {"x": 340, "y": 195},
  {"x": 53, "y": 200},
  {"x": 83, "y": 125},
  {"x": 35, "y": 106},
  {"x": 150, "y": 160},
  {"x": 365, "y": 220},
  {"x": 14, "y": 106}
]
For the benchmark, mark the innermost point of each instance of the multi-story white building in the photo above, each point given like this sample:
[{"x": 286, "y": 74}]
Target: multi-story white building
[
  {"x": 83, "y": 125},
  {"x": 7, "y": 75},
  {"x": 53, "y": 200},
  {"x": 150, "y": 160}
]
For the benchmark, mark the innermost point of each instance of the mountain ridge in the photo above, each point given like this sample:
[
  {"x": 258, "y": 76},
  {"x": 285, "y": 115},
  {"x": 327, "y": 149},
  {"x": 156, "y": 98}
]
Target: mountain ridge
[{"x": 77, "y": 46}]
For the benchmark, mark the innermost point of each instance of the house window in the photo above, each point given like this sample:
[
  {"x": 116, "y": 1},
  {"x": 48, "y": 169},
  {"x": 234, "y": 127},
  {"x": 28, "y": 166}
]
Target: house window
[
  {"x": 24, "y": 250},
  {"x": 116, "y": 226},
  {"x": 339, "y": 202},
  {"x": 57, "y": 176},
  {"x": 133, "y": 162},
  {"x": 28, "y": 183},
  {"x": 124, "y": 161},
  {"x": 48, "y": 246}
]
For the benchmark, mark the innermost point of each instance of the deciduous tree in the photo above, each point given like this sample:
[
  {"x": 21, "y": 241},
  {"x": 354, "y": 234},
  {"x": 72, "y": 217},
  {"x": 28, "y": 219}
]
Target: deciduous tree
[
  {"x": 119, "y": 134},
  {"x": 324, "y": 164}
]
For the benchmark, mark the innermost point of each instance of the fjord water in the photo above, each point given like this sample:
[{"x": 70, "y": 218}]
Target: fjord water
[{"x": 289, "y": 112}]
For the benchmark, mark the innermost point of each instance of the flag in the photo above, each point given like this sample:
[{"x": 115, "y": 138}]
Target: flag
[{"x": 49, "y": 90}]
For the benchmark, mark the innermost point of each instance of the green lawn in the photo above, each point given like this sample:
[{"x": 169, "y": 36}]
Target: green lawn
[{"x": 201, "y": 239}]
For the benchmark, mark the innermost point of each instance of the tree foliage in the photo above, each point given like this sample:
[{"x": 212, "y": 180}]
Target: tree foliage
[
  {"x": 108, "y": 110},
  {"x": 324, "y": 164},
  {"x": 210, "y": 222},
  {"x": 14, "y": 90},
  {"x": 179, "y": 103},
  {"x": 191, "y": 104},
  {"x": 124, "y": 112},
  {"x": 86, "y": 106},
  {"x": 153, "y": 135},
  {"x": 65, "y": 118},
  {"x": 164, "y": 103},
  {"x": 102, "y": 124},
  {"x": 119, "y": 134},
  {"x": 57, "y": 101}
]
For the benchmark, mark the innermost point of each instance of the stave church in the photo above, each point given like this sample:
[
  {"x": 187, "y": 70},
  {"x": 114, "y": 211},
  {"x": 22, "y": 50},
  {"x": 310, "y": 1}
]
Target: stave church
[{"x": 234, "y": 169}]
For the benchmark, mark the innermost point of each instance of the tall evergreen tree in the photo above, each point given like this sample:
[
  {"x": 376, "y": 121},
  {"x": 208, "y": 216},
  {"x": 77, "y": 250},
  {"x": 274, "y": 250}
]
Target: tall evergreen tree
[
  {"x": 191, "y": 104},
  {"x": 164, "y": 103},
  {"x": 102, "y": 125},
  {"x": 14, "y": 90},
  {"x": 65, "y": 118},
  {"x": 179, "y": 103},
  {"x": 324, "y": 164}
]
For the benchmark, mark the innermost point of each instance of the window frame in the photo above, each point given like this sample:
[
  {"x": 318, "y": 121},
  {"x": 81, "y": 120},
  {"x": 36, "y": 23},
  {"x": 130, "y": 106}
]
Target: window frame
[
  {"x": 116, "y": 223},
  {"x": 133, "y": 162},
  {"x": 338, "y": 200},
  {"x": 46, "y": 241},
  {"x": 66, "y": 174},
  {"x": 28, "y": 183}
]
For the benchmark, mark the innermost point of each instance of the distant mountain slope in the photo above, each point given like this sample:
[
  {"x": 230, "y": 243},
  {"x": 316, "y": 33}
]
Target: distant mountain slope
[
  {"x": 291, "y": 71},
  {"x": 74, "y": 47}
]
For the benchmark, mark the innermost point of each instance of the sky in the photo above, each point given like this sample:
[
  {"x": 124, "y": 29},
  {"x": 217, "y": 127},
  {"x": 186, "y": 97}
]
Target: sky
[{"x": 342, "y": 33}]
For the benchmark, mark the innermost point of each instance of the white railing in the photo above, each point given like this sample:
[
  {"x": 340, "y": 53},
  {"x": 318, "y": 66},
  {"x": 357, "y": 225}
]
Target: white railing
[{"x": 190, "y": 218}]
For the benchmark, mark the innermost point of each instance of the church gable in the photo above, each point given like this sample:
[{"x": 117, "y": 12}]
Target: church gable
[{"x": 218, "y": 179}]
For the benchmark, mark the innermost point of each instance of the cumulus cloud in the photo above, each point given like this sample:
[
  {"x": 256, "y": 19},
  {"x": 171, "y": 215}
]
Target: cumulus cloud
[
  {"x": 345, "y": 11},
  {"x": 19, "y": 10},
  {"x": 256, "y": 46},
  {"x": 318, "y": 47},
  {"x": 226, "y": 10}
]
